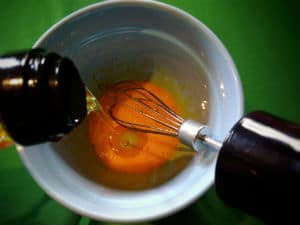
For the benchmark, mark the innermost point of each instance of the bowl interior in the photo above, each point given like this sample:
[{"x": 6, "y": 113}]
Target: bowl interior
[{"x": 120, "y": 40}]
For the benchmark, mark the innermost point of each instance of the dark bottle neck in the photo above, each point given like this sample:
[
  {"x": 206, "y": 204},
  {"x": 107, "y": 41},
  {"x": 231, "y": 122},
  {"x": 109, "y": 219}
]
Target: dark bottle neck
[{"x": 42, "y": 96}]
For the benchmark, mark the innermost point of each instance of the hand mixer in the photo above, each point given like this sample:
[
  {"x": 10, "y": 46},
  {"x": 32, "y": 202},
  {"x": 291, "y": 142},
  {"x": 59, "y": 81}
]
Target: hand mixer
[{"x": 258, "y": 165}]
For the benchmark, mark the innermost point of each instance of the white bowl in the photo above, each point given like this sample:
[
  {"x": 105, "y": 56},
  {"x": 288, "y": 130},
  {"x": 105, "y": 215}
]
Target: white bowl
[{"x": 82, "y": 28}]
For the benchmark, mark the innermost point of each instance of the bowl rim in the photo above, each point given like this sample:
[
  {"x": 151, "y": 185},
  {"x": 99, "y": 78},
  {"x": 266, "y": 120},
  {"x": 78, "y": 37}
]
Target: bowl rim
[{"x": 209, "y": 174}]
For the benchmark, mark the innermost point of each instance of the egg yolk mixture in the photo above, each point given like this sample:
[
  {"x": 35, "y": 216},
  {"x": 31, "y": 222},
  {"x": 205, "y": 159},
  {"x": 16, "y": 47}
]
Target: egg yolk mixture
[{"x": 125, "y": 150}]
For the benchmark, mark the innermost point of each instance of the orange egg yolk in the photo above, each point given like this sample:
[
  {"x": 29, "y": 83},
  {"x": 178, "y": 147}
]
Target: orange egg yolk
[{"x": 126, "y": 150}]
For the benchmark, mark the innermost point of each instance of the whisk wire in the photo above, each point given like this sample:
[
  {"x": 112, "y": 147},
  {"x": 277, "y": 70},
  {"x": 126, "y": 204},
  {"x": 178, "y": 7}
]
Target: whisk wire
[
  {"x": 150, "y": 107},
  {"x": 148, "y": 115},
  {"x": 156, "y": 111},
  {"x": 160, "y": 103},
  {"x": 146, "y": 128}
]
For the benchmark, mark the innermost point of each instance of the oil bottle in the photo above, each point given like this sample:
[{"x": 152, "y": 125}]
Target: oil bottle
[{"x": 42, "y": 97}]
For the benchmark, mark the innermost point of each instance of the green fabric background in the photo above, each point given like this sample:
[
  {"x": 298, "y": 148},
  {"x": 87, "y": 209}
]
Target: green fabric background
[{"x": 263, "y": 38}]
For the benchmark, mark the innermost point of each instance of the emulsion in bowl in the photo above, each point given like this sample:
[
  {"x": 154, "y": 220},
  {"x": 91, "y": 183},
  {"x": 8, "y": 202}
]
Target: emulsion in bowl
[
  {"x": 127, "y": 150},
  {"x": 158, "y": 61}
]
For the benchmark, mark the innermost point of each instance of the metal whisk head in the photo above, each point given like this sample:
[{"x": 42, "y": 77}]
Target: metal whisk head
[{"x": 139, "y": 109}]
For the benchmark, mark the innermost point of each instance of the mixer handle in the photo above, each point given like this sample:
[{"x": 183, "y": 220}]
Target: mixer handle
[{"x": 258, "y": 168}]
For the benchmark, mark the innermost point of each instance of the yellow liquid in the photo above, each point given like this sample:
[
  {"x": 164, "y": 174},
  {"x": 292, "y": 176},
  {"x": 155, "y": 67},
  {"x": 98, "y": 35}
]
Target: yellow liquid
[
  {"x": 124, "y": 149},
  {"x": 76, "y": 150}
]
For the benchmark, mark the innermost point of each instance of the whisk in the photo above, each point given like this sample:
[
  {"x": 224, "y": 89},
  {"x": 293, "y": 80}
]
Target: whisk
[{"x": 152, "y": 115}]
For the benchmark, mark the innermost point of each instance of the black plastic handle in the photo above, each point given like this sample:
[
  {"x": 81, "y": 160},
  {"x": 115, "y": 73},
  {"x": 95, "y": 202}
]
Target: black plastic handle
[{"x": 258, "y": 168}]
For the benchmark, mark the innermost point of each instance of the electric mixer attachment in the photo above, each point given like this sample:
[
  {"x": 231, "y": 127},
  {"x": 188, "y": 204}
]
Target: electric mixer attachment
[
  {"x": 257, "y": 168},
  {"x": 152, "y": 115}
]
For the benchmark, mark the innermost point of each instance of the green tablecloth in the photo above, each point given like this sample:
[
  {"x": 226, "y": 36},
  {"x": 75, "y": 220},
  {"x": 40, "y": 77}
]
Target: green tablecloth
[{"x": 263, "y": 38}]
